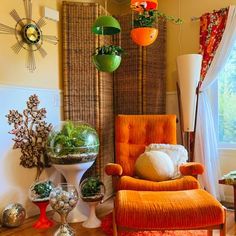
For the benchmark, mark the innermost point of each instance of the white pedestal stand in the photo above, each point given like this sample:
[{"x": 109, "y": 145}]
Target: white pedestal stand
[
  {"x": 73, "y": 174},
  {"x": 92, "y": 221}
]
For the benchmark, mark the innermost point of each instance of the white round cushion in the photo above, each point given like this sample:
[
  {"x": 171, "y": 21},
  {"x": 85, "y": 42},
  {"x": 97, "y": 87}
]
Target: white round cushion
[{"x": 154, "y": 165}]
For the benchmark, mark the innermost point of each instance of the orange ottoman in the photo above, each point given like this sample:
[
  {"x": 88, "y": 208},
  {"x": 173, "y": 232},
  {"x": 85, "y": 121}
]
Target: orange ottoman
[{"x": 168, "y": 210}]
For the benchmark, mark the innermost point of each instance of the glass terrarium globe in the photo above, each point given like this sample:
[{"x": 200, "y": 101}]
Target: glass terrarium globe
[
  {"x": 92, "y": 189},
  {"x": 40, "y": 191},
  {"x": 72, "y": 142}
]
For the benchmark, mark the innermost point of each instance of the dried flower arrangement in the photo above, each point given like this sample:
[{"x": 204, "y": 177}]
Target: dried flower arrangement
[{"x": 31, "y": 134}]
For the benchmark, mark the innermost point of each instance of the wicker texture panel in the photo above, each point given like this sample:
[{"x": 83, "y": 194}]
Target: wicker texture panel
[
  {"x": 139, "y": 83},
  {"x": 88, "y": 94}
]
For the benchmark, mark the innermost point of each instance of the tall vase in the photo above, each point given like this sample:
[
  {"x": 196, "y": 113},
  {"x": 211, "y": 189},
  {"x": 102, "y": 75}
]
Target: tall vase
[
  {"x": 73, "y": 174},
  {"x": 63, "y": 199}
]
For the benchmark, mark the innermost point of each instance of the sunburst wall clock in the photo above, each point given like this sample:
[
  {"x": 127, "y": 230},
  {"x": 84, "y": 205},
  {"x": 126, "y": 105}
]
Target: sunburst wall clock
[{"x": 28, "y": 34}]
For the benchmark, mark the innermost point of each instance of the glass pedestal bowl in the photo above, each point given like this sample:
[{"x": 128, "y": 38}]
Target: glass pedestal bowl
[
  {"x": 92, "y": 191},
  {"x": 63, "y": 199},
  {"x": 72, "y": 148},
  {"x": 39, "y": 194}
]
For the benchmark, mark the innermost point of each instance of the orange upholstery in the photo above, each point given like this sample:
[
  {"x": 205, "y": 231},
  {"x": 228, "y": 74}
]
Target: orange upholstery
[
  {"x": 113, "y": 169},
  {"x": 167, "y": 210},
  {"x": 132, "y": 134},
  {"x": 184, "y": 183},
  {"x": 191, "y": 168}
]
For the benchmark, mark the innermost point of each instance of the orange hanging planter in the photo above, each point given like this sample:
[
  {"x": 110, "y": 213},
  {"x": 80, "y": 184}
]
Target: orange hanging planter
[
  {"x": 144, "y": 36},
  {"x": 140, "y": 5}
]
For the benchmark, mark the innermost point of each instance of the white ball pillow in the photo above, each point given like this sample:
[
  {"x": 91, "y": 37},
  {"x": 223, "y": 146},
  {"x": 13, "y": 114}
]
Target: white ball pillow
[{"x": 154, "y": 165}]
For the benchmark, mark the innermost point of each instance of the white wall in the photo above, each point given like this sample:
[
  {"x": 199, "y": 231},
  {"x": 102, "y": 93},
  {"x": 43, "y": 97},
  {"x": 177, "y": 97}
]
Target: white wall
[{"x": 15, "y": 180}]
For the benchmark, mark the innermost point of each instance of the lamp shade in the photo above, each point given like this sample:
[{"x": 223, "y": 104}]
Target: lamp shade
[
  {"x": 189, "y": 69},
  {"x": 106, "y": 25},
  {"x": 138, "y": 5}
]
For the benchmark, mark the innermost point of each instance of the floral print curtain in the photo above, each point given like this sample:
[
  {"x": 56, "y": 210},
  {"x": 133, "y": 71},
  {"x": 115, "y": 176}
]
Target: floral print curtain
[{"x": 212, "y": 26}]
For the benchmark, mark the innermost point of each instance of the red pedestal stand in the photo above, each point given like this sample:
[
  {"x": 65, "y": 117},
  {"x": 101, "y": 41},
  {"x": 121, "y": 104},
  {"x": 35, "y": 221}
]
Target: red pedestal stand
[{"x": 43, "y": 222}]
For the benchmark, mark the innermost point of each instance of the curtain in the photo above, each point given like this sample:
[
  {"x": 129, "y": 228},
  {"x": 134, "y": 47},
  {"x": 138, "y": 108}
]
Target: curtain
[
  {"x": 215, "y": 57},
  {"x": 87, "y": 93},
  {"x": 139, "y": 83}
]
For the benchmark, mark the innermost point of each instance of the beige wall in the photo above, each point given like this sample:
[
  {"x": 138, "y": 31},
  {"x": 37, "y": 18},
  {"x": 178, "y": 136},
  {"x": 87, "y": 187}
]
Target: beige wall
[
  {"x": 185, "y": 38},
  {"x": 12, "y": 66}
]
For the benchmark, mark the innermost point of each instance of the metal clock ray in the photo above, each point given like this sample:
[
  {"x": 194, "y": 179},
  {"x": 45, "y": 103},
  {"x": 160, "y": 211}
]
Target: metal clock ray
[{"x": 29, "y": 35}]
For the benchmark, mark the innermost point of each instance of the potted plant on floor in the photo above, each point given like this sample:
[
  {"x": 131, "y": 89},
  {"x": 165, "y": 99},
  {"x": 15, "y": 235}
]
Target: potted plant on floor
[
  {"x": 92, "y": 191},
  {"x": 107, "y": 58}
]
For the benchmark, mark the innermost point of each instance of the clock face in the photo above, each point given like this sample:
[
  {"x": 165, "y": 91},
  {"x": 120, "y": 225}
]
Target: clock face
[
  {"x": 31, "y": 34},
  {"x": 28, "y": 34}
]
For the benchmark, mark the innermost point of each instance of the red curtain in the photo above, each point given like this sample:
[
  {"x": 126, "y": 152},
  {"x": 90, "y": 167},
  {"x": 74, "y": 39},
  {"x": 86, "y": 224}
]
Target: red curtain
[{"x": 212, "y": 26}]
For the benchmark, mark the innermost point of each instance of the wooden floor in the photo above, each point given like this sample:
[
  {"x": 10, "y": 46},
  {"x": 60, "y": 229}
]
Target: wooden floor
[{"x": 27, "y": 230}]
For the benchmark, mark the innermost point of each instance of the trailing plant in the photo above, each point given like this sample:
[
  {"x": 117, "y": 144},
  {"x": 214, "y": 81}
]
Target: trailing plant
[
  {"x": 147, "y": 18},
  {"x": 31, "y": 134},
  {"x": 109, "y": 50}
]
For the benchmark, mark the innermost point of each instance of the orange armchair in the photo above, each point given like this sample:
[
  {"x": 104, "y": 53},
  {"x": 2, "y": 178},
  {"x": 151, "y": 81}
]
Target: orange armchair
[{"x": 132, "y": 134}]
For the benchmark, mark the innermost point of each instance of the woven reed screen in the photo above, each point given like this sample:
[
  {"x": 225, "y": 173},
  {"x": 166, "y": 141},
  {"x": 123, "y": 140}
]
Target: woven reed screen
[
  {"x": 139, "y": 83},
  {"x": 88, "y": 94}
]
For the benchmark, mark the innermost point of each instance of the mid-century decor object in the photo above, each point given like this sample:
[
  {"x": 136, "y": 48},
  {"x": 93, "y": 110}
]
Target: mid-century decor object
[
  {"x": 107, "y": 58},
  {"x": 189, "y": 69},
  {"x": 13, "y": 215},
  {"x": 72, "y": 149},
  {"x": 92, "y": 191},
  {"x": 28, "y": 34},
  {"x": 39, "y": 194},
  {"x": 144, "y": 33},
  {"x": 30, "y": 134},
  {"x": 106, "y": 25},
  {"x": 63, "y": 200}
]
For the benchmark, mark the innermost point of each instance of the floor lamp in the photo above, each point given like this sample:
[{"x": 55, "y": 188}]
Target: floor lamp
[{"x": 189, "y": 69}]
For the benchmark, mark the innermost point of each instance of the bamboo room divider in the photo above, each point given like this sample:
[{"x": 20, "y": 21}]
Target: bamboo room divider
[
  {"x": 139, "y": 83},
  {"x": 88, "y": 94},
  {"x": 137, "y": 87}
]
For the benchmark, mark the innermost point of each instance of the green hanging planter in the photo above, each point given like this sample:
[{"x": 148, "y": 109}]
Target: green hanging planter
[
  {"x": 108, "y": 58},
  {"x": 107, "y": 63},
  {"x": 106, "y": 25}
]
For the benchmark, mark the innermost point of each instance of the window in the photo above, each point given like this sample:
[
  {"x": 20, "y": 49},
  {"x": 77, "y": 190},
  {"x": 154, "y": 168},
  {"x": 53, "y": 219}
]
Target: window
[{"x": 226, "y": 119}]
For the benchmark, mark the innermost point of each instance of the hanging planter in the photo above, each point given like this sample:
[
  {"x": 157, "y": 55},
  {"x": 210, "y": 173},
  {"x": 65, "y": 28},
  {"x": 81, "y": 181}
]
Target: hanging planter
[
  {"x": 106, "y": 25},
  {"x": 144, "y": 33},
  {"x": 139, "y": 5},
  {"x": 144, "y": 36},
  {"x": 107, "y": 58}
]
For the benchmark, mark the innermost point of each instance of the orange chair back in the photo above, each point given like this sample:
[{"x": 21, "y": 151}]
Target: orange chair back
[{"x": 134, "y": 132}]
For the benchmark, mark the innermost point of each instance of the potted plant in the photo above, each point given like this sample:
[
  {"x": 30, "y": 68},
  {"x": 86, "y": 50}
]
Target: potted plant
[
  {"x": 107, "y": 58},
  {"x": 143, "y": 32},
  {"x": 92, "y": 189},
  {"x": 72, "y": 142}
]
